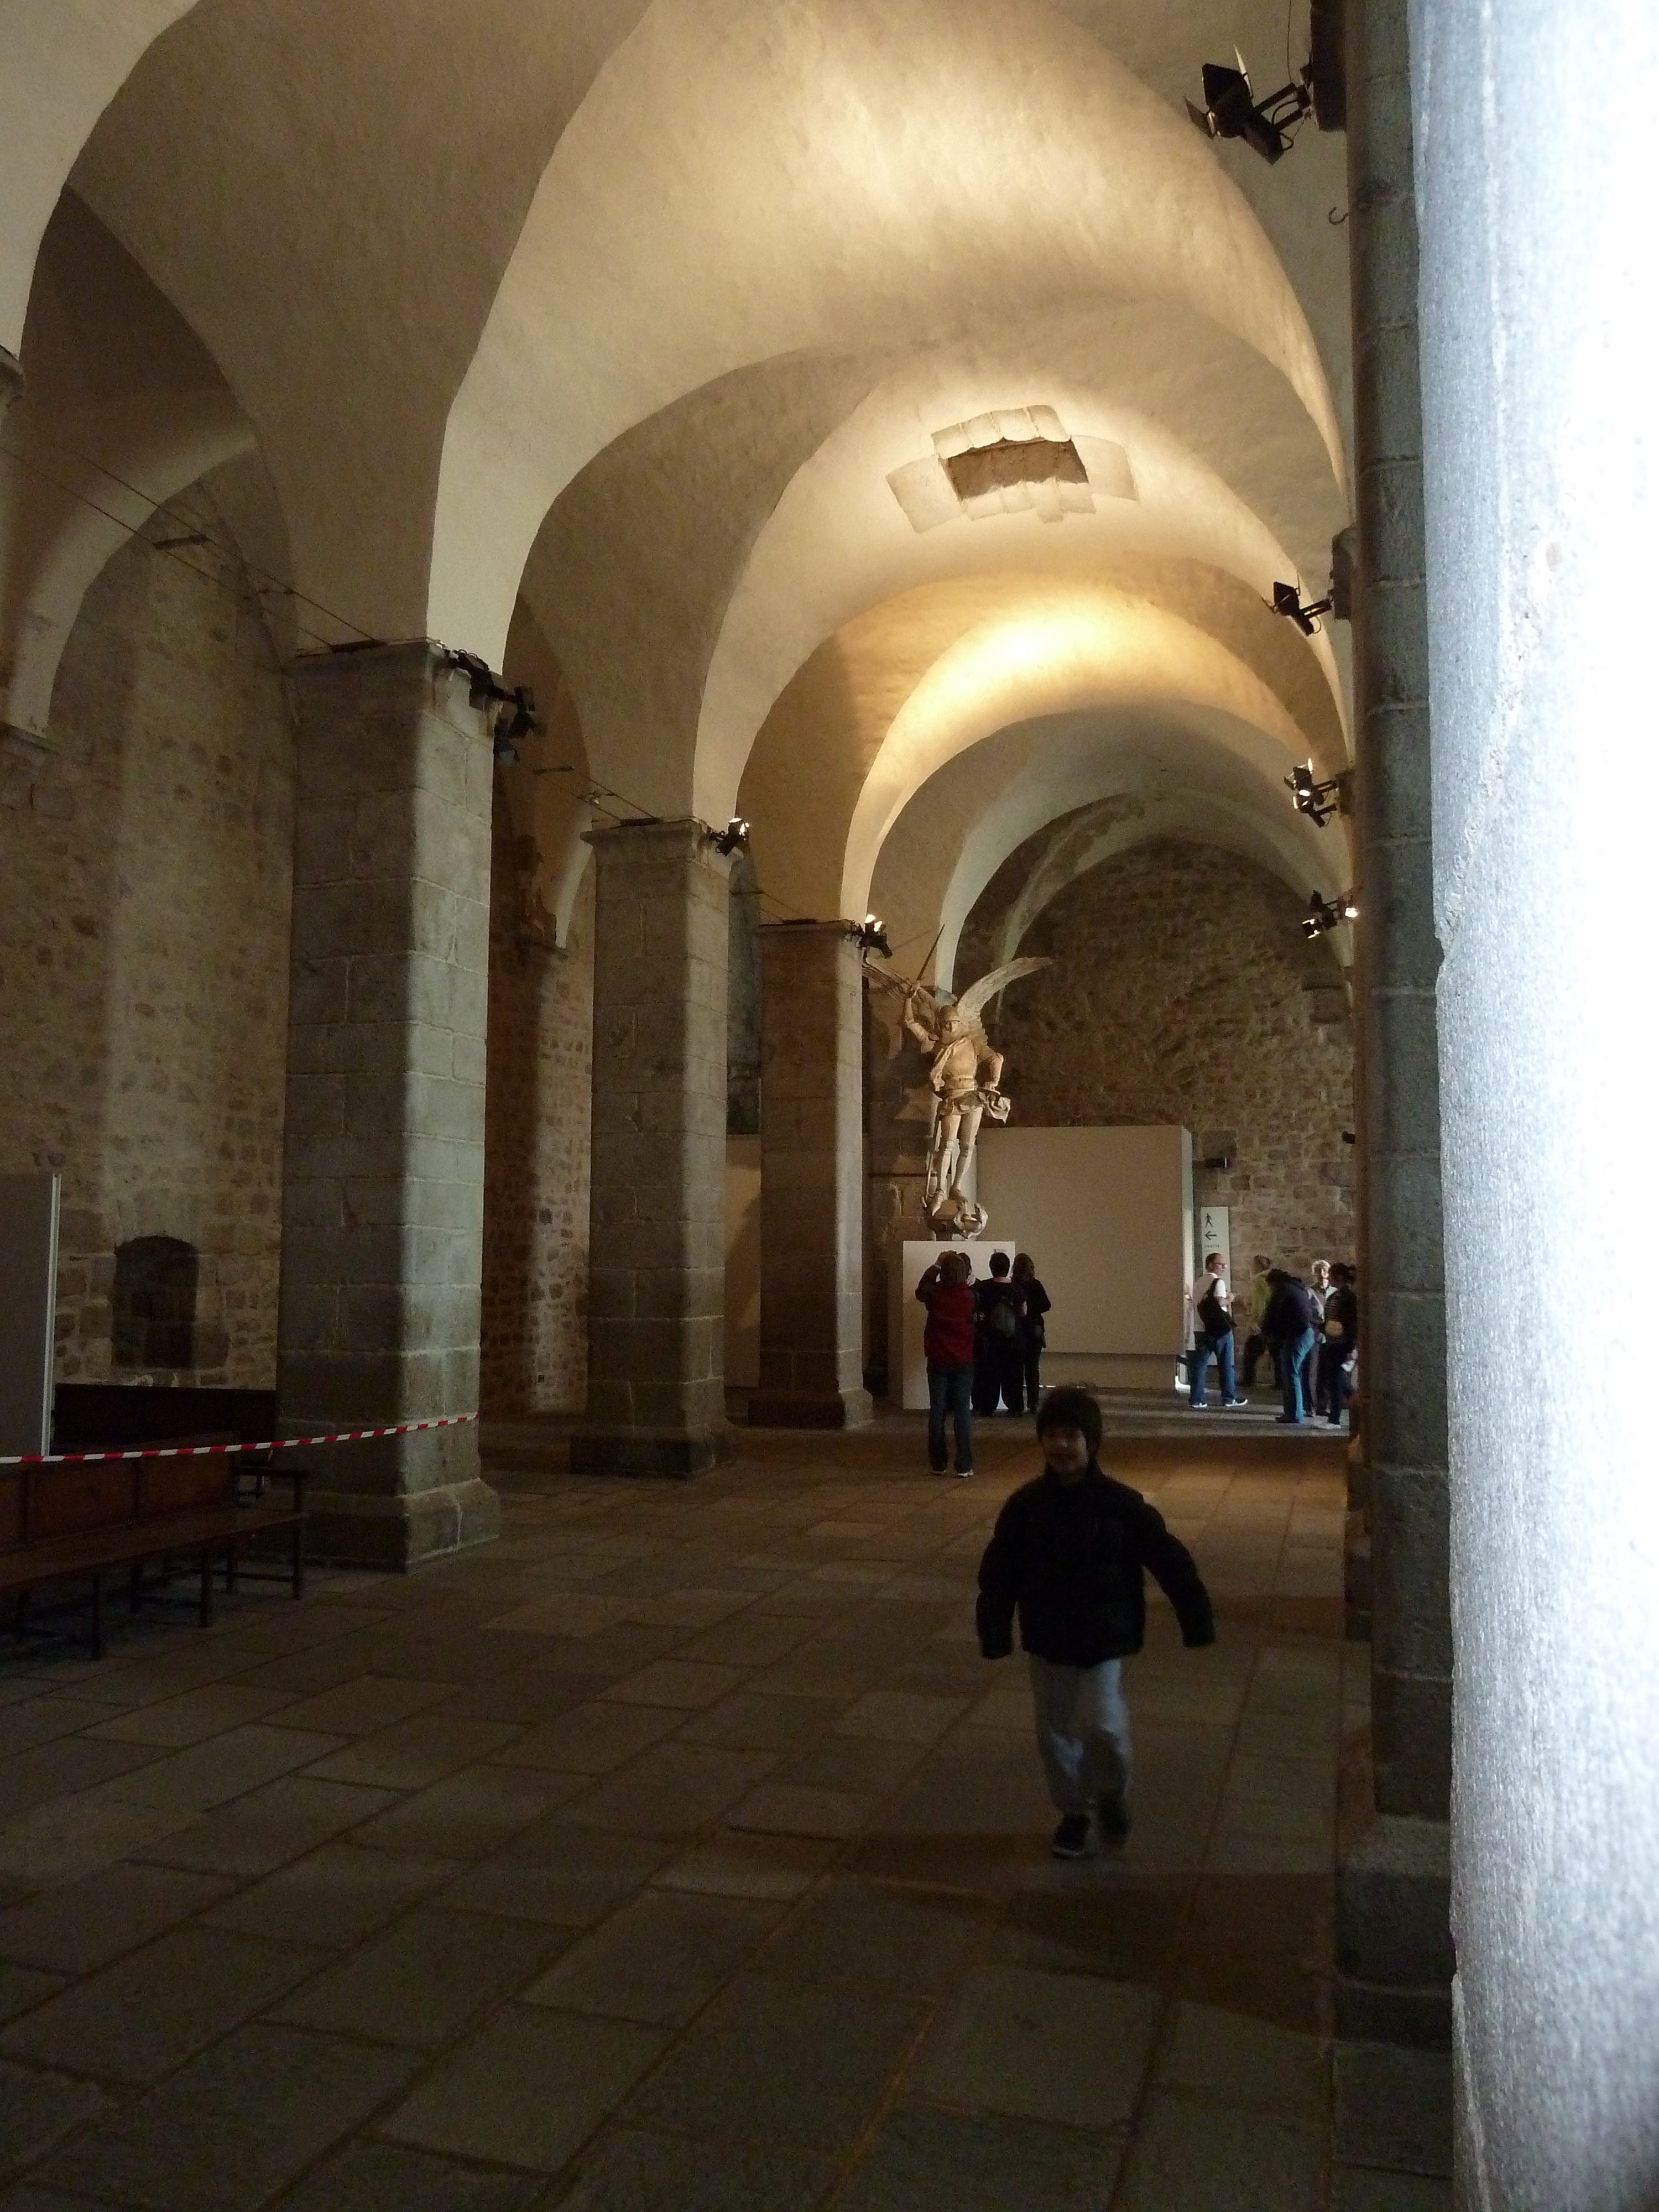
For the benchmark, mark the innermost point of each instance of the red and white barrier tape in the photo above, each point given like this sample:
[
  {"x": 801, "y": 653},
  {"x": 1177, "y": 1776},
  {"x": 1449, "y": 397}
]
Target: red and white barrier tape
[{"x": 228, "y": 1452}]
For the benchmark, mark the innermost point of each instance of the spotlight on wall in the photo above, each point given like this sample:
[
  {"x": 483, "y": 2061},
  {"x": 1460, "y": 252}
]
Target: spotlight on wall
[
  {"x": 1230, "y": 109},
  {"x": 1318, "y": 801},
  {"x": 1325, "y": 914},
  {"x": 734, "y": 838},
  {"x": 516, "y": 720},
  {"x": 1287, "y": 600},
  {"x": 871, "y": 936}
]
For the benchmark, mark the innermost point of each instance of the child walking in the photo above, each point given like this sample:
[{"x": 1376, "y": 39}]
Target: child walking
[{"x": 1067, "y": 1553}]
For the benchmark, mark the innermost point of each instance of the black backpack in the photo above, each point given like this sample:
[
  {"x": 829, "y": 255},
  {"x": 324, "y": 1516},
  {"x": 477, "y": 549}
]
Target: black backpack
[{"x": 1213, "y": 1317}]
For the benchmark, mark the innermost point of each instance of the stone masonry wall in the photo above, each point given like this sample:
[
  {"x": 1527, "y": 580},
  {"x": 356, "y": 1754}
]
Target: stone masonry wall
[
  {"x": 144, "y": 949},
  {"x": 538, "y": 1113},
  {"x": 1183, "y": 992}
]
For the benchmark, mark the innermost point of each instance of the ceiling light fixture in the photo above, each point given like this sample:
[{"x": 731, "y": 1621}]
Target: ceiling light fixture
[
  {"x": 871, "y": 936},
  {"x": 517, "y": 717},
  {"x": 1287, "y": 600},
  {"x": 1230, "y": 109},
  {"x": 1318, "y": 801},
  {"x": 734, "y": 838},
  {"x": 1324, "y": 915}
]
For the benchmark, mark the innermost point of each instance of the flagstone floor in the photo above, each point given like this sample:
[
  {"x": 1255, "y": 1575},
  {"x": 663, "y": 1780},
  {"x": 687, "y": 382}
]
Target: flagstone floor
[{"x": 679, "y": 1853}]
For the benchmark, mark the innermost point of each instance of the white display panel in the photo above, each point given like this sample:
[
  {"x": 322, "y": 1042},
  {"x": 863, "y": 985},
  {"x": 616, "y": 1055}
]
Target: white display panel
[{"x": 1107, "y": 1216}]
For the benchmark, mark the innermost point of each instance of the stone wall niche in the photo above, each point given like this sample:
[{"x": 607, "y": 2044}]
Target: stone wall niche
[
  {"x": 383, "y": 1188},
  {"x": 656, "y": 1389}
]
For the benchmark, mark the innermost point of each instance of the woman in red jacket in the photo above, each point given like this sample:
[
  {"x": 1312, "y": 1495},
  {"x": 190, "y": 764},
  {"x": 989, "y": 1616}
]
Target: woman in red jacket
[{"x": 948, "y": 1343}]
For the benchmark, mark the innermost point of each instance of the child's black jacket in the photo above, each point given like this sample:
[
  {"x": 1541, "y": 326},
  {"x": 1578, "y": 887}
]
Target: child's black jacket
[{"x": 1070, "y": 1558}]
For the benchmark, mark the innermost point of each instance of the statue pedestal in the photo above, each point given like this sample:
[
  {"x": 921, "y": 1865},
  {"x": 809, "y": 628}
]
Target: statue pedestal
[{"x": 907, "y": 1369}]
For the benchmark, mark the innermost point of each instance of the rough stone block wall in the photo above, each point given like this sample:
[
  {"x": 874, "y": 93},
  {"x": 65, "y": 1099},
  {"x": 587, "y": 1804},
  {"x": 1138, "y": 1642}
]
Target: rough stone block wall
[
  {"x": 148, "y": 866},
  {"x": 538, "y": 1113},
  {"x": 1183, "y": 991}
]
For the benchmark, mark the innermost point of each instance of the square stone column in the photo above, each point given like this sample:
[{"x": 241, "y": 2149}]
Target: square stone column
[
  {"x": 811, "y": 1357},
  {"x": 656, "y": 1380},
  {"x": 383, "y": 1138}
]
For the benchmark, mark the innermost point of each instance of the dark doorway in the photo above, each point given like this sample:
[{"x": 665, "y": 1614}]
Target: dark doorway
[{"x": 153, "y": 1305}]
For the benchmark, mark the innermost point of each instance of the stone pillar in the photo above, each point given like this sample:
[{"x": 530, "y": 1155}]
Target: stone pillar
[
  {"x": 1536, "y": 201},
  {"x": 656, "y": 1388},
  {"x": 1393, "y": 1950},
  {"x": 812, "y": 1358},
  {"x": 383, "y": 1141}
]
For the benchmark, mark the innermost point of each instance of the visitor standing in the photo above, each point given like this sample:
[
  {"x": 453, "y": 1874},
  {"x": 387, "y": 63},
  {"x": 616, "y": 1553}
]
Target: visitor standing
[
  {"x": 1212, "y": 1333},
  {"x": 999, "y": 1358},
  {"x": 1067, "y": 1554},
  {"x": 1288, "y": 1327},
  {"x": 1340, "y": 1348},
  {"x": 1257, "y": 1342},
  {"x": 1034, "y": 1333},
  {"x": 947, "y": 1344},
  {"x": 1319, "y": 1290}
]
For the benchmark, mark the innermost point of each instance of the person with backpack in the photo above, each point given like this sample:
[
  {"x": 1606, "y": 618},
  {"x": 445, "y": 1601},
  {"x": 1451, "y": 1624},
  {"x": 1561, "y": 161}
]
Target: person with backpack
[
  {"x": 998, "y": 1352},
  {"x": 1212, "y": 1333},
  {"x": 1342, "y": 1340},
  {"x": 1034, "y": 1334}
]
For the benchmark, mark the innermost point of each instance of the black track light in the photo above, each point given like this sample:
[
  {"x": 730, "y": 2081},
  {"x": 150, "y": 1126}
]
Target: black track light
[
  {"x": 1318, "y": 801},
  {"x": 1230, "y": 109},
  {"x": 734, "y": 838},
  {"x": 1325, "y": 914},
  {"x": 871, "y": 936},
  {"x": 1287, "y": 600}
]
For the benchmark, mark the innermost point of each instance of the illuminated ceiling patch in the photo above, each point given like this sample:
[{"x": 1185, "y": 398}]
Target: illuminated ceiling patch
[{"x": 1007, "y": 462}]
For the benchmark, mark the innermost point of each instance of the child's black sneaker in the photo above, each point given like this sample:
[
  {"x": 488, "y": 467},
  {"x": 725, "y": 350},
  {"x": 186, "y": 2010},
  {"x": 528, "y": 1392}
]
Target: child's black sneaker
[
  {"x": 1113, "y": 1816},
  {"x": 1071, "y": 1839}
]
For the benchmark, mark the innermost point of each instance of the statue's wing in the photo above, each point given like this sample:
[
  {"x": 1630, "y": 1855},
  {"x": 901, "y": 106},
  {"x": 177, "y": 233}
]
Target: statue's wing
[{"x": 973, "y": 1000}]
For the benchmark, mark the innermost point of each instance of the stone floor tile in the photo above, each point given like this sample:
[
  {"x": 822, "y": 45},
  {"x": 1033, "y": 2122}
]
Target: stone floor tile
[
  {"x": 173, "y": 1723},
  {"x": 687, "y": 1683},
  {"x": 1208, "y": 2157},
  {"x": 138, "y": 2019},
  {"x": 22, "y": 1987},
  {"x": 857, "y": 1764},
  {"x": 745, "y": 1639},
  {"x": 424, "y": 1979},
  {"x": 674, "y": 1789},
  {"x": 659, "y": 1959},
  {"x": 748, "y": 1722},
  {"x": 785, "y": 1810},
  {"x": 63, "y": 1839},
  {"x": 1097, "y": 1917},
  {"x": 731, "y": 1865},
  {"x": 1394, "y": 2108},
  {"x": 45, "y": 1717},
  {"x": 567, "y": 1612},
  {"x": 472, "y": 1812},
  {"x": 336, "y": 1894},
  {"x": 62, "y": 1766},
  {"x": 1363, "y": 2189},
  {"x": 591, "y": 1739},
  {"x": 28, "y": 2198},
  {"x": 923, "y": 2160},
  {"x": 1058, "y": 2047},
  {"x": 229, "y": 2129},
  {"x": 269, "y": 1827},
  {"x": 364, "y": 1704},
  {"x": 413, "y": 1753},
  {"x": 900, "y": 1716},
  {"x": 775, "y": 2061},
  {"x": 630, "y": 2172},
  {"x": 37, "y": 2109},
  {"x": 379, "y": 2177},
  {"x": 87, "y": 1923},
  {"x": 226, "y": 1765},
  {"x": 622, "y": 1648},
  {"x": 1243, "y": 2061},
  {"x": 529, "y": 2090},
  {"x": 859, "y": 1932},
  {"x": 570, "y": 1876}
]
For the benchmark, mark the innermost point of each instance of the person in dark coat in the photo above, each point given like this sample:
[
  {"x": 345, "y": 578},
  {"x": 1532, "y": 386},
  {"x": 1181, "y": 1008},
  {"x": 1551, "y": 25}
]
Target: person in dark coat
[
  {"x": 999, "y": 1359},
  {"x": 1288, "y": 1325},
  {"x": 1033, "y": 1333},
  {"x": 1069, "y": 1555}
]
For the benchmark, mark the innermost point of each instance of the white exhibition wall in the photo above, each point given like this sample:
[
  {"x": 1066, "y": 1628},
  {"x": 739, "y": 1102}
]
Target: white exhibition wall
[
  {"x": 1107, "y": 1215},
  {"x": 743, "y": 1261}
]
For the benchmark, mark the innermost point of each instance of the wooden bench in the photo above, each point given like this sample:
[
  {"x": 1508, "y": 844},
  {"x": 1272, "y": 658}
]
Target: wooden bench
[{"x": 67, "y": 1525}]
